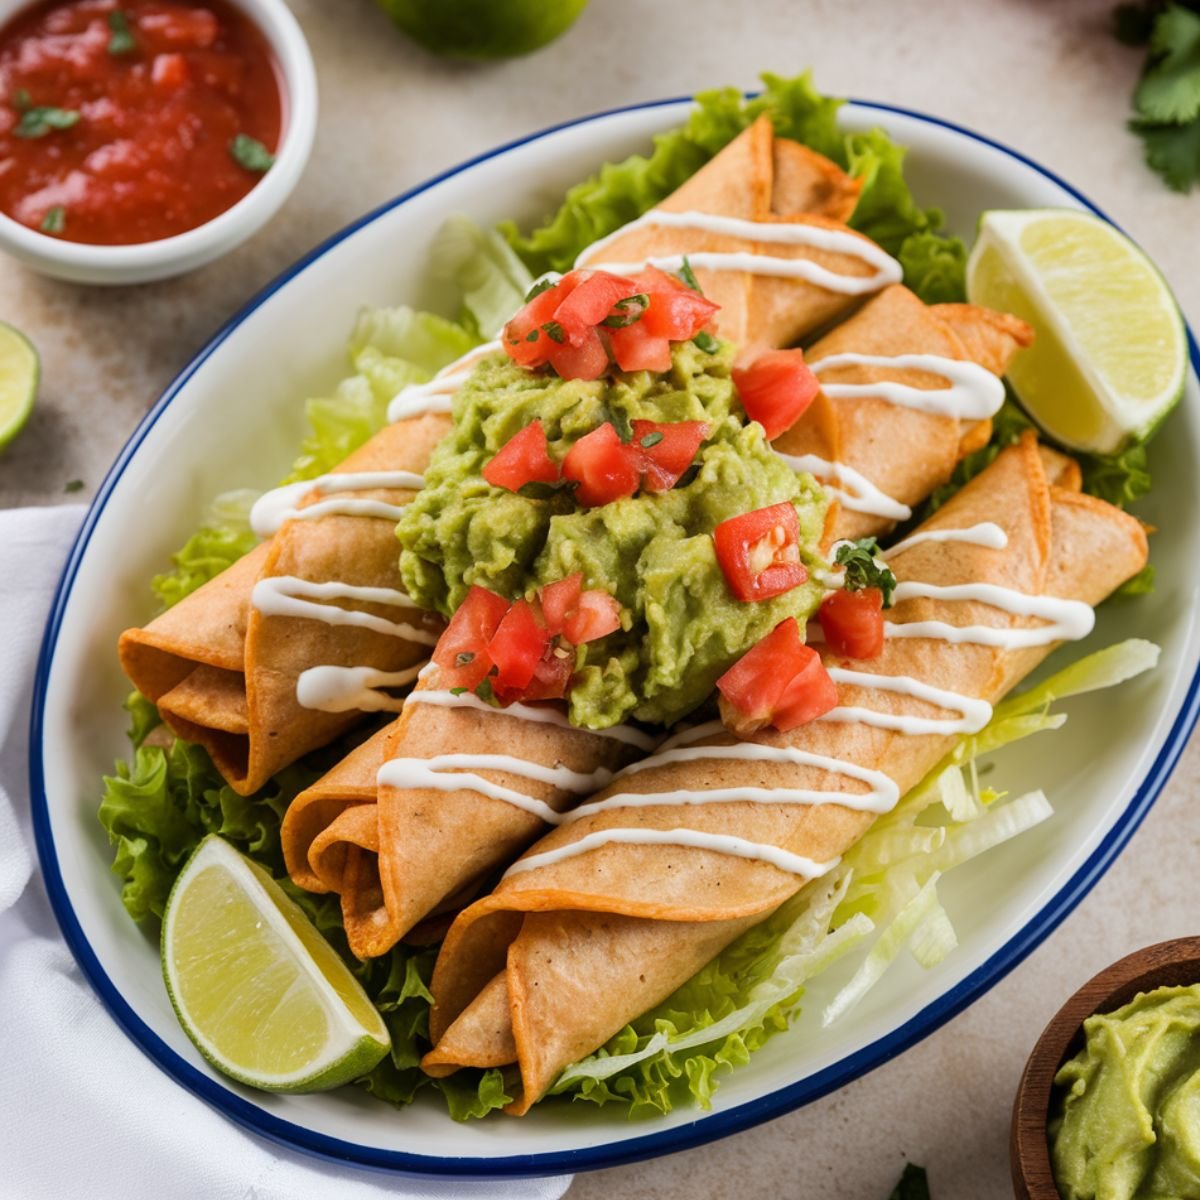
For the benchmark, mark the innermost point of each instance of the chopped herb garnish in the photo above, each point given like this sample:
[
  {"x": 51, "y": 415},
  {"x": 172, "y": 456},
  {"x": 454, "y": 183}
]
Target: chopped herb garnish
[
  {"x": 250, "y": 153},
  {"x": 706, "y": 342},
  {"x": 688, "y": 276},
  {"x": 554, "y": 331},
  {"x": 623, "y": 317},
  {"x": 531, "y": 336},
  {"x": 863, "y": 571},
  {"x": 465, "y": 658},
  {"x": 75, "y": 485},
  {"x": 621, "y": 423},
  {"x": 485, "y": 692},
  {"x": 651, "y": 439},
  {"x": 22, "y": 99},
  {"x": 542, "y": 285},
  {"x": 40, "y": 120},
  {"x": 458, "y": 691},
  {"x": 55, "y": 220},
  {"x": 122, "y": 40}
]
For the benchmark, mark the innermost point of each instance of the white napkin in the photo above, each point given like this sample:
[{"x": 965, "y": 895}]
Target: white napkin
[{"x": 83, "y": 1110}]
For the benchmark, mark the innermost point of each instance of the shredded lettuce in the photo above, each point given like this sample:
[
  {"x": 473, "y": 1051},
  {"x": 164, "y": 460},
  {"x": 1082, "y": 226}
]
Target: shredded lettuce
[
  {"x": 157, "y": 808},
  {"x": 620, "y": 192},
  {"x": 881, "y": 899},
  {"x": 481, "y": 265}
]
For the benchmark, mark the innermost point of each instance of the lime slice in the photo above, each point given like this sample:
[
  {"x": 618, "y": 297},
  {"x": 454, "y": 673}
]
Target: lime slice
[
  {"x": 483, "y": 29},
  {"x": 20, "y": 370},
  {"x": 1111, "y": 354},
  {"x": 262, "y": 994}
]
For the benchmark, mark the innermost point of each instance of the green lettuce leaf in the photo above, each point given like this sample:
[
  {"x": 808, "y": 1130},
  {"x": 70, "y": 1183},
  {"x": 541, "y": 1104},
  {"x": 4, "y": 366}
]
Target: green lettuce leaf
[{"x": 482, "y": 267}]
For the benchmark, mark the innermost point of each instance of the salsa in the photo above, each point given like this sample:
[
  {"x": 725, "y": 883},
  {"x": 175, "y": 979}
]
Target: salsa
[{"x": 125, "y": 121}]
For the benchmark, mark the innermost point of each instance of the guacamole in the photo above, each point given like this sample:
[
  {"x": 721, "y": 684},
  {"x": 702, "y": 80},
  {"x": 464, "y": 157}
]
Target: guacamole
[
  {"x": 682, "y": 627},
  {"x": 1129, "y": 1123}
]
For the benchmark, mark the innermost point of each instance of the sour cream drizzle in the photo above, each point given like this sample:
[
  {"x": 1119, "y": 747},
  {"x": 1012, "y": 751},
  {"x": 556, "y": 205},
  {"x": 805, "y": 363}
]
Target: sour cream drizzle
[
  {"x": 290, "y": 596},
  {"x": 866, "y": 498},
  {"x": 435, "y": 396},
  {"x": 973, "y": 392},
  {"x": 986, "y": 533},
  {"x": 976, "y": 713},
  {"x": 352, "y": 689},
  {"x": 275, "y": 507},
  {"x": 886, "y": 269}
]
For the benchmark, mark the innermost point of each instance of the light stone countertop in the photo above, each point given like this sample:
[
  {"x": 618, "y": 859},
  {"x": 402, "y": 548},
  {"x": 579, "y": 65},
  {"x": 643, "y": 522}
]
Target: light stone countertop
[{"x": 1046, "y": 78}]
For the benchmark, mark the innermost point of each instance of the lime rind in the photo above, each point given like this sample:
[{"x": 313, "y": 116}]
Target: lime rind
[
  {"x": 20, "y": 373},
  {"x": 350, "y": 1050},
  {"x": 1122, "y": 421}
]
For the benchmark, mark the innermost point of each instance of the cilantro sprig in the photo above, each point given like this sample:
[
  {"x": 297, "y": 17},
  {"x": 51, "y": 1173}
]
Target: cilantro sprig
[
  {"x": 37, "y": 120},
  {"x": 250, "y": 153},
  {"x": 863, "y": 570},
  {"x": 121, "y": 40}
]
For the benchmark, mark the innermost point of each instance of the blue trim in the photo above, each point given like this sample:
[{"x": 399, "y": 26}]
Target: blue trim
[{"x": 704, "y": 1129}]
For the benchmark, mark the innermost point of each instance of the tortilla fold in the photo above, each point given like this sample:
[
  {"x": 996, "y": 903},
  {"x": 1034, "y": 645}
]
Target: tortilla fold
[
  {"x": 584, "y": 944},
  {"x": 224, "y": 674}
]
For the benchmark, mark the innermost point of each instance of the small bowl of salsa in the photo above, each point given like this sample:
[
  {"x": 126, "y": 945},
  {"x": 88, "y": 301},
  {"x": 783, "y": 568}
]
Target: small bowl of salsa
[{"x": 140, "y": 139}]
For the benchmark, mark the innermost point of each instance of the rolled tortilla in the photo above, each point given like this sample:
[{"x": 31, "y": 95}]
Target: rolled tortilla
[
  {"x": 903, "y": 452},
  {"x": 223, "y": 674},
  {"x": 398, "y": 853},
  {"x": 563, "y": 954},
  {"x": 764, "y": 179}
]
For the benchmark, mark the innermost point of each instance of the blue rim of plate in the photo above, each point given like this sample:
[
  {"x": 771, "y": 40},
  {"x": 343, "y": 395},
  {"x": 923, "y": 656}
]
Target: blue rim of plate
[{"x": 704, "y": 1129}]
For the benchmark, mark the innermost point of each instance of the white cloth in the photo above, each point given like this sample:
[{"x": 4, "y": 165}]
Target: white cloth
[{"x": 82, "y": 1111}]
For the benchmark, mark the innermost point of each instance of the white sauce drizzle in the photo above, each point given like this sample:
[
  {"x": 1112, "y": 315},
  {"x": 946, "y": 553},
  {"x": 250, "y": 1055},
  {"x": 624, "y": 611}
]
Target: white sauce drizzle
[
  {"x": 986, "y": 533},
  {"x": 278, "y": 505},
  {"x": 886, "y": 269},
  {"x": 869, "y": 498},
  {"x": 434, "y": 396},
  {"x": 976, "y": 713},
  {"x": 973, "y": 394},
  {"x": 349, "y": 689},
  {"x": 721, "y": 843},
  {"x": 290, "y": 596}
]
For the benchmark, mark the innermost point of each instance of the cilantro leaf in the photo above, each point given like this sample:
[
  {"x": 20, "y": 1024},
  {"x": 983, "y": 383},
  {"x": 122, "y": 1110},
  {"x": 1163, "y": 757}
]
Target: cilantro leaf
[
  {"x": 688, "y": 276},
  {"x": 250, "y": 153},
  {"x": 554, "y": 331},
  {"x": 706, "y": 342},
  {"x": 628, "y": 311},
  {"x": 41, "y": 119},
  {"x": 540, "y": 286},
  {"x": 55, "y": 220},
  {"x": 862, "y": 569},
  {"x": 1169, "y": 92},
  {"x": 1173, "y": 151},
  {"x": 122, "y": 40}
]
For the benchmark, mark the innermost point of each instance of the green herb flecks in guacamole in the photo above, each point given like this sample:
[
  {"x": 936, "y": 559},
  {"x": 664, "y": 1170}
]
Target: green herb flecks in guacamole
[
  {"x": 1129, "y": 1123},
  {"x": 654, "y": 552}
]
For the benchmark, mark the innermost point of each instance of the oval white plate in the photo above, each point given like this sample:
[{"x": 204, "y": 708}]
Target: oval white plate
[{"x": 233, "y": 418}]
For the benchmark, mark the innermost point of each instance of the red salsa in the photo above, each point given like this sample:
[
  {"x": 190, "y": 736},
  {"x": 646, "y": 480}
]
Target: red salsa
[{"x": 127, "y": 121}]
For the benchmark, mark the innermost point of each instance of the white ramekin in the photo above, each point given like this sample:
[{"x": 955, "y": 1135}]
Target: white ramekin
[{"x": 161, "y": 259}]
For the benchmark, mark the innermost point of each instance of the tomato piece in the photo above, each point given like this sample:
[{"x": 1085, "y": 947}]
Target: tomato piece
[
  {"x": 853, "y": 622},
  {"x": 515, "y": 648},
  {"x": 759, "y": 552},
  {"x": 595, "y": 615},
  {"x": 524, "y": 458},
  {"x": 603, "y": 466},
  {"x": 169, "y": 70},
  {"x": 778, "y": 681},
  {"x": 552, "y": 675},
  {"x": 635, "y": 349},
  {"x": 560, "y": 599},
  {"x": 525, "y": 338},
  {"x": 586, "y": 360},
  {"x": 679, "y": 314},
  {"x": 462, "y": 651},
  {"x": 592, "y": 301},
  {"x": 673, "y": 446},
  {"x": 776, "y": 389}
]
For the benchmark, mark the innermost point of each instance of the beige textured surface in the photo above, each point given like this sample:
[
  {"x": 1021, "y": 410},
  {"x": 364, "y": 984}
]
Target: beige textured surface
[{"x": 1042, "y": 76}]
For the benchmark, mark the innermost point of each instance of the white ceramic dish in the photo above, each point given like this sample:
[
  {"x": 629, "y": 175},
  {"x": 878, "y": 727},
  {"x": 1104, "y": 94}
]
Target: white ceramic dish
[
  {"x": 1102, "y": 771},
  {"x": 146, "y": 261}
]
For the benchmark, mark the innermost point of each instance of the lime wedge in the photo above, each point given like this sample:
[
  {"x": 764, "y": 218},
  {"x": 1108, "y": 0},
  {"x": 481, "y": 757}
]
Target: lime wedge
[
  {"x": 262, "y": 994},
  {"x": 1111, "y": 354},
  {"x": 20, "y": 370}
]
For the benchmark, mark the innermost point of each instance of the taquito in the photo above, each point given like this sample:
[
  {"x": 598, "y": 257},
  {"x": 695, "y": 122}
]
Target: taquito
[
  {"x": 897, "y": 453},
  {"x": 396, "y": 851},
  {"x": 774, "y": 184},
  {"x": 579, "y": 938},
  {"x": 224, "y": 674}
]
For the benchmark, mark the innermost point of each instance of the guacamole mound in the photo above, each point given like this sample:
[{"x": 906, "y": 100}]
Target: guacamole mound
[
  {"x": 682, "y": 626},
  {"x": 1129, "y": 1123}
]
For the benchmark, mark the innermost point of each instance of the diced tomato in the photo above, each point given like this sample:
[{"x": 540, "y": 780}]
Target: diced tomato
[
  {"x": 586, "y": 360},
  {"x": 595, "y": 615},
  {"x": 559, "y": 599},
  {"x": 675, "y": 310},
  {"x": 524, "y": 338},
  {"x": 462, "y": 651},
  {"x": 853, "y": 622},
  {"x": 636, "y": 349},
  {"x": 515, "y": 648},
  {"x": 776, "y": 388},
  {"x": 672, "y": 447},
  {"x": 603, "y": 466},
  {"x": 524, "y": 458},
  {"x": 592, "y": 301},
  {"x": 779, "y": 681},
  {"x": 552, "y": 675},
  {"x": 169, "y": 70},
  {"x": 760, "y": 552}
]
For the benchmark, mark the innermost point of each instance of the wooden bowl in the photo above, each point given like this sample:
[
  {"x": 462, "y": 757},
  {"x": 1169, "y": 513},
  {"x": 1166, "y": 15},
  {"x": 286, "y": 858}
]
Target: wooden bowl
[{"x": 1168, "y": 964}]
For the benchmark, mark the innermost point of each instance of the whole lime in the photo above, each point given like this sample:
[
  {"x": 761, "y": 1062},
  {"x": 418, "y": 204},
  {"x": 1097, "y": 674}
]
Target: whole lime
[{"x": 483, "y": 29}]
